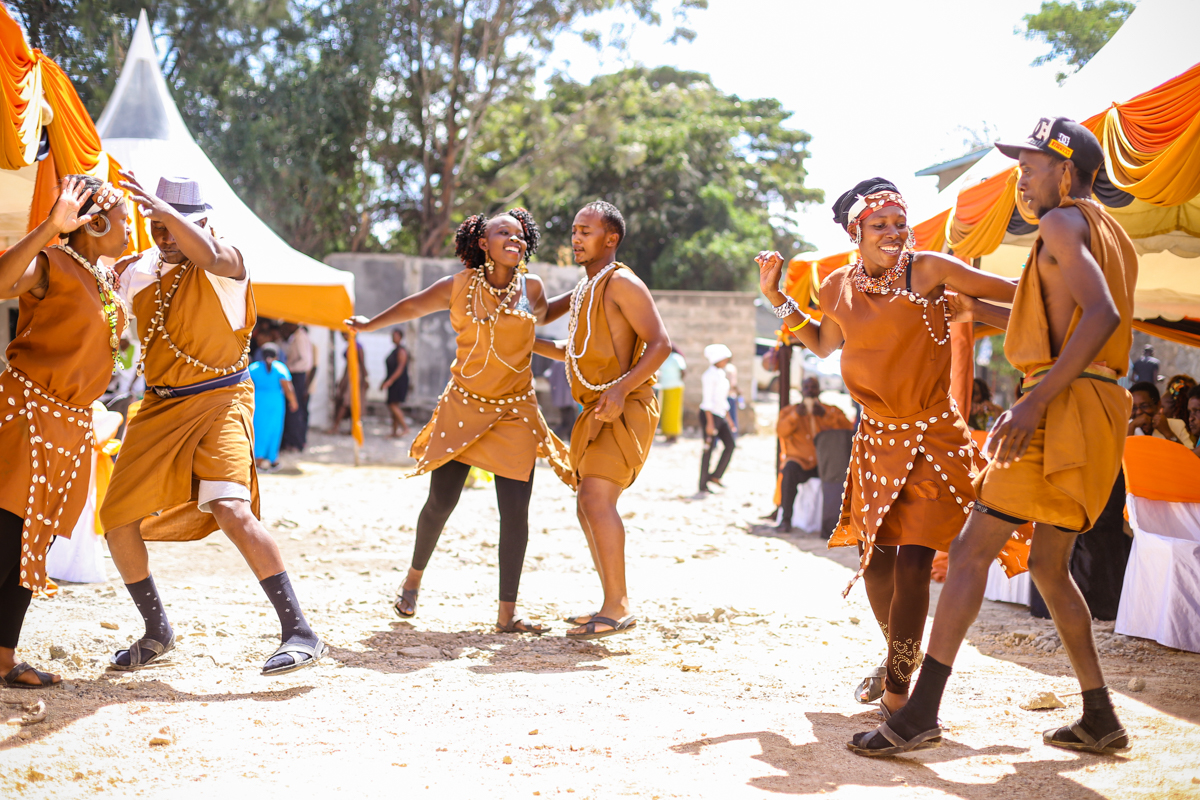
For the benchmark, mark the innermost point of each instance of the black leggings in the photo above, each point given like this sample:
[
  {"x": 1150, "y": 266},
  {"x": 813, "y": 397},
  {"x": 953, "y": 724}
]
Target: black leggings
[
  {"x": 512, "y": 497},
  {"x": 14, "y": 598},
  {"x": 725, "y": 435}
]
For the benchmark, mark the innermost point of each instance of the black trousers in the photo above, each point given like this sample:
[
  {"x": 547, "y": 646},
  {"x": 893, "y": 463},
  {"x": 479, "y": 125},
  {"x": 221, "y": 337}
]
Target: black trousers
[
  {"x": 14, "y": 598},
  {"x": 512, "y": 498},
  {"x": 793, "y": 476},
  {"x": 295, "y": 423},
  {"x": 725, "y": 434}
]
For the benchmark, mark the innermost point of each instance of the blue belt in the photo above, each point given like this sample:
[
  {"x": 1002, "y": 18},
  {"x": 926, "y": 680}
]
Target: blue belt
[{"x": 203, "y": 386}]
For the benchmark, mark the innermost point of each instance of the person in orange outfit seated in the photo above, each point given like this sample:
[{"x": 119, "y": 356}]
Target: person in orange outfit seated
[{"x": 797, "y": 428}]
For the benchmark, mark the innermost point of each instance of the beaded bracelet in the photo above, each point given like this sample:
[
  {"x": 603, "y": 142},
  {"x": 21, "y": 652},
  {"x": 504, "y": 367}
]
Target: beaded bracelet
[{"x": 786, "y": 308}]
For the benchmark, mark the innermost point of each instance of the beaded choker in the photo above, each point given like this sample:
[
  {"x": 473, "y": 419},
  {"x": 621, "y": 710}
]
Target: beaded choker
[
  {"x": 883, "y": 284},
  {"x": 109, "y": 299}
]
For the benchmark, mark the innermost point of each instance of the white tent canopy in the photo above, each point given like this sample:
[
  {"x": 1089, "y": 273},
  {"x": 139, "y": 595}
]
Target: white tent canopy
[
  {"x": 142, "y": 128},
  {"x": 1156, "y": 43}
]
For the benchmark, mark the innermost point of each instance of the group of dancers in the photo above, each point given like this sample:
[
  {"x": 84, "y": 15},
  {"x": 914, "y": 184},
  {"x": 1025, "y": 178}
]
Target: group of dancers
[{"x": 917, "y": 483}]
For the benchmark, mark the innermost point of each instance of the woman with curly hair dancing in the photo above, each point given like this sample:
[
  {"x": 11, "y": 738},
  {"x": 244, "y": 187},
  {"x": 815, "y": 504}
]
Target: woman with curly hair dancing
[{"x": 487, "y": 417}]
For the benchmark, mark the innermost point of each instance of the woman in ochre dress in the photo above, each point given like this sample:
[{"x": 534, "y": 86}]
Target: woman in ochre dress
[
  {"x": 487, "y": 417},
  {"x": 69, "y": 328},
  {"x": 909, "y": 484}
]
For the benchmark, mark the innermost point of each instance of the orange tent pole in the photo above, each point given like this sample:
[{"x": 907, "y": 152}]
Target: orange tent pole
[{"x": 352, "y": 368}]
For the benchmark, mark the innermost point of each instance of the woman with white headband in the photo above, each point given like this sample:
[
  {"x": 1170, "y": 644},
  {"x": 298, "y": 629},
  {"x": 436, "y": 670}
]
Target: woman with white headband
[
  {"x": 68, "y": 338},
  {"x": 909, "y": 485}
]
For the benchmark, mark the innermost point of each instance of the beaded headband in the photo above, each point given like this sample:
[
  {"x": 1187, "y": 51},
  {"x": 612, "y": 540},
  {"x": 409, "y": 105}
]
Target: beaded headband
[
  {"x": 864, "y": 206},
  {"x": 104, "y": 197}
]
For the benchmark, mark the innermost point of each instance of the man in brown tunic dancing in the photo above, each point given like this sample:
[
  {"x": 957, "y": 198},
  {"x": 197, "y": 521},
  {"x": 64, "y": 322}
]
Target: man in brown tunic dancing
[
  {"x": 186, "y": 468},
  {"x": 616, "y": 344},
  {"x": 1070, "y": 334}
]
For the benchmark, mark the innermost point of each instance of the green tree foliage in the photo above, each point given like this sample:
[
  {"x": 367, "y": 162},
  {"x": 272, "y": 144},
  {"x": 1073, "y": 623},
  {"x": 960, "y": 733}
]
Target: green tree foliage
[
  {"x": 449, "y": 62},
  {"x": 200, "y": 41},
  {"x": 705, "y": 179},
  {"x": 1076, "y": 32}
]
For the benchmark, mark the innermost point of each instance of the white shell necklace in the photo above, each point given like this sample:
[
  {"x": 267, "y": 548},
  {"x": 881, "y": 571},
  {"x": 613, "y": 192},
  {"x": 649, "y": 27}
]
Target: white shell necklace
[
  {"x": 159, "y": 324},
  {"x": 588, "y": 286}
]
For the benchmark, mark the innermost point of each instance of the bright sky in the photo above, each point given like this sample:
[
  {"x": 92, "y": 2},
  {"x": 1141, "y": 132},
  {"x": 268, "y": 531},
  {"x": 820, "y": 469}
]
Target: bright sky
[{"x": 884, "y": 89}]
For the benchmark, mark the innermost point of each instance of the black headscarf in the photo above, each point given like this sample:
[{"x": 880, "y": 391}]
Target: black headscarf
[{"x": 861, "y": 189}]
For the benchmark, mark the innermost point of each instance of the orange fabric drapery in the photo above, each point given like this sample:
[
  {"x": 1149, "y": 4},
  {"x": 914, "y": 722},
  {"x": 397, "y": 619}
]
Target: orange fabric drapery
[
  {"x": 21, "y": 88},
  {"x": 1157, "y": 469},
  {"x": 1170, "y": 334},
  {"x": 981, "y": 215},
  {"x": 1152, "y": 143},
  {"x": 931, "y": 234}
]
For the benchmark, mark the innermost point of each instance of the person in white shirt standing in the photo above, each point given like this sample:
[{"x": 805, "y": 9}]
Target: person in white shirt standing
[{"x": 714, "y": 410}]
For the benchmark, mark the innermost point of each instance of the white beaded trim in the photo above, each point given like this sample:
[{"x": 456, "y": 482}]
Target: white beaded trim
[
  {"x": 588, "y": 285},
  {"x": 159, "y": 323},
  {"x": 33, "y": 402},
  {"x": 885, "y": 435}
]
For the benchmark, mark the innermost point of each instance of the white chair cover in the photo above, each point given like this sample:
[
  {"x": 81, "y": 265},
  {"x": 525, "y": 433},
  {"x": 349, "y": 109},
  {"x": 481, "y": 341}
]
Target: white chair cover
[
  {"x": 806, "y": 511},
  {"x": 1160, "y": 598},
  {"x": 1004, "y": 589},
  {"x": 80, "y": 559}
]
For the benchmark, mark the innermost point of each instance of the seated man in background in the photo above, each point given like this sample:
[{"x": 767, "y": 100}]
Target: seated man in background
[
  {"x": 798, "y": 426},
  {"x": 1148, "y": 419}
]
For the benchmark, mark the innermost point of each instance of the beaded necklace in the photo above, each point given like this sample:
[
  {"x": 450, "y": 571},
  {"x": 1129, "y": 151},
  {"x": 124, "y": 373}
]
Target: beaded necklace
[
  {"x": 883, "y": 285},
  {"x": 477, "y": 312},
  {"x": 588, "y": 286},
  {"x": 159, "y": 323},
  {"x": 109, "y": 299}
]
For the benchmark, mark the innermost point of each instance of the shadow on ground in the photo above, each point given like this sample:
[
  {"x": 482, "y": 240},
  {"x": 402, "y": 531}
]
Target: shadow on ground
[
  {"x": 404, "y": 649},
  {"x": 87, "y": 697},
  {"x": 1118, "y": 669},
  {"x": 808, "y": 765}
]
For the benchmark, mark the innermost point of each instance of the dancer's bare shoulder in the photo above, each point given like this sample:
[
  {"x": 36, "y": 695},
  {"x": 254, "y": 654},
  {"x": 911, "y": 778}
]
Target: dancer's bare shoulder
[{"x": 1068, "y": 271}]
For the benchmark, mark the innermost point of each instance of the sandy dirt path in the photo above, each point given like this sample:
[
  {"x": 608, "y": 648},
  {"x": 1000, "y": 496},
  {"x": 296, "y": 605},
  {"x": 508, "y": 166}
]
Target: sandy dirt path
[{"x": 736, "y": 684}]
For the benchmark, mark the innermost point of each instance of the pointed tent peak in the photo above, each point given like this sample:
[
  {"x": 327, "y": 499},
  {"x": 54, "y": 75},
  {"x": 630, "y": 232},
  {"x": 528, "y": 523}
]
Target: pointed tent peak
[
  {"x": 140, "y": 106},
  {"x": 142, "y": 45}
]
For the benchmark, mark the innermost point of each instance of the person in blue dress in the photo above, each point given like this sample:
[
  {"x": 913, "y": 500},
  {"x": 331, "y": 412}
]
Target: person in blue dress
[{"x": 273, "y": 393}]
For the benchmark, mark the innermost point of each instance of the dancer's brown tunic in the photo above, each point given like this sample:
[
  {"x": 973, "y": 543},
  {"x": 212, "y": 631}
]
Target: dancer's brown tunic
[
  {"x": 172, "y": 444},
  {"x": 616, "y": 450},
  {"x": 1067, "y": 474},
  {"x": 488, "y": 415},
  {"x": 59, "y": 363},
  {"x": 913, "y": 458}
]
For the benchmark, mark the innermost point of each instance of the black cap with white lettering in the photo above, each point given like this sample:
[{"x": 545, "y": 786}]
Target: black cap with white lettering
[{"x": 1064, "y": 138}]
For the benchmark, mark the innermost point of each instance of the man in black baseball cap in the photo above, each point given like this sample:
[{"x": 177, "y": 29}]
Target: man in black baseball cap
[
  {"x": 1054, "y": 456},
  {"x": 1069, "y": 147}
]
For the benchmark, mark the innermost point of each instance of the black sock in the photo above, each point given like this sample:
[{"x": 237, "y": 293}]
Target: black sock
[
  {"x": 291, "y": 619},
  {"x": 149, "y": 605},
  {"x": 1099, "y": 716},
  {"x": 920, "y": 713}
]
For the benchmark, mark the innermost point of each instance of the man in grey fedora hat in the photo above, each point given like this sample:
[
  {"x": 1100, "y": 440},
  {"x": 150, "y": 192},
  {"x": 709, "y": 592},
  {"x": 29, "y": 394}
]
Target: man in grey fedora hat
[{"x": 186, "y": 467}]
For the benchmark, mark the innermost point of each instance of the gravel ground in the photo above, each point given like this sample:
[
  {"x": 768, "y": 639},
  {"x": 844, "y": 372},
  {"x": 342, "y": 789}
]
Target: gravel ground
[{"x": 737, "y": 682}]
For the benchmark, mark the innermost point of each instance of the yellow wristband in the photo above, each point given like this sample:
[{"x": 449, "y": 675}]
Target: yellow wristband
[{"x": 807, "y": 319}]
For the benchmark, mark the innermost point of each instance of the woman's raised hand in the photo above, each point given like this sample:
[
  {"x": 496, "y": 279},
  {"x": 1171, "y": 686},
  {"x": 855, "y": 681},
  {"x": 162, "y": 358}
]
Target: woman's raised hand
[
  {"x": 770, "y": 270},
  {"x": 358, "y": 323},
  {"x": 65, "y": 216}
]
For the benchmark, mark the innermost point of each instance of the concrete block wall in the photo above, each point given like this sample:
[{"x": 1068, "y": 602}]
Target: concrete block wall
[
  {"x": 695, "y": 320},
  {"x": 382, "y": 279}
]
